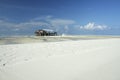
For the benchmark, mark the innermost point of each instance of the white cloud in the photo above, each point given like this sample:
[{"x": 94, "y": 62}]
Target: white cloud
[
  {"x": 55, "y": 22},
  {"x": 93, "y": 26},
  {"x": 46, "y": 18},
  {"x": 45, "y": 21},
  {"x": 61, "y": 22},
  {"x": 31, "y": 24},
  {"x": 50, "y": 22},
  {"x": 5, "y": 24}
]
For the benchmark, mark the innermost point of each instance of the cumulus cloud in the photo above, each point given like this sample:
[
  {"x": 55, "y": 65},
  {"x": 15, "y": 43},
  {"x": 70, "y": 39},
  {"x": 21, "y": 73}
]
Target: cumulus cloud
[{"x": 93, "y": 26}]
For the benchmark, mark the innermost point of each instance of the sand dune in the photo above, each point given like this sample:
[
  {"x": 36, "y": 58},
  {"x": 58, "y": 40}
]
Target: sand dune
[{"x": 96, "y": 59}]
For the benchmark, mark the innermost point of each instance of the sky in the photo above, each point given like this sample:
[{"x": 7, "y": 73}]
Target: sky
[{"x": 72, "y": 17}]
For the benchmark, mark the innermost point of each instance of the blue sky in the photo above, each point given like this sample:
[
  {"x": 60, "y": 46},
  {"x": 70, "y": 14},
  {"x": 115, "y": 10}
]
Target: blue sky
[{"x": 91, "y": 17}]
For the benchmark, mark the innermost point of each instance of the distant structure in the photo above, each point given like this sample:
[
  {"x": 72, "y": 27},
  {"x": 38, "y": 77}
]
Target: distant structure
[{"x": 45, "y": 32}]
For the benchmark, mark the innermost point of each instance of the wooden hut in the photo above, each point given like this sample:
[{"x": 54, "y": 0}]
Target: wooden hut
[{"x": 45, "y": 32}]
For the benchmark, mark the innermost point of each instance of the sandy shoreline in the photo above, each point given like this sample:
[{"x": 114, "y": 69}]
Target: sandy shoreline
[
  {"x": 96, "y": 59},
  {"x": 36, "y": 39}
]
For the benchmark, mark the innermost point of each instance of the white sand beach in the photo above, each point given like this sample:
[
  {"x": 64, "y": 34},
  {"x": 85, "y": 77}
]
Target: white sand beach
[{"x": 94, "y": 59}]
